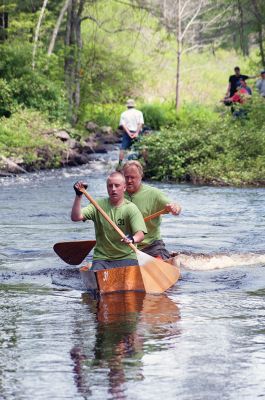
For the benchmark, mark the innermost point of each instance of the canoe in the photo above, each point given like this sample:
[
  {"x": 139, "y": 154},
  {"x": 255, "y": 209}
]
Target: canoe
[
  {"x": 150, "y": 278},
  {"x": 119, "y": 307}
]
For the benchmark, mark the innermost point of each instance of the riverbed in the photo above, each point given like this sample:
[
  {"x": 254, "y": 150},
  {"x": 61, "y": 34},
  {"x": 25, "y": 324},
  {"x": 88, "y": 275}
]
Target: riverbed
[{"x": 203, "y": 339}]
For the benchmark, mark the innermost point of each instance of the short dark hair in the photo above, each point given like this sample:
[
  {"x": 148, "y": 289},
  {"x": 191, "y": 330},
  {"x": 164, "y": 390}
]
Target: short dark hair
[{"x": 237, "y": 68}]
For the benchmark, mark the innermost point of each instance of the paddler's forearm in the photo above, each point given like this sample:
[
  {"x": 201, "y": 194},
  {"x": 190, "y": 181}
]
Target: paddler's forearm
[
  {"x": 76, "y": 214},
  {"x": 138, "y": 237}
]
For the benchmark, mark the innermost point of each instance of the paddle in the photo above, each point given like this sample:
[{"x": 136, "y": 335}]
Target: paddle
[
  {"x": 73, "y": 253},
  {"x": 157, "y": 275}
]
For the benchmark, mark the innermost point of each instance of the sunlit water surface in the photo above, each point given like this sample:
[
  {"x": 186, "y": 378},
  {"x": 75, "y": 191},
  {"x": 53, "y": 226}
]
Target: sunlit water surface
[{"x": 203, "y": 339}]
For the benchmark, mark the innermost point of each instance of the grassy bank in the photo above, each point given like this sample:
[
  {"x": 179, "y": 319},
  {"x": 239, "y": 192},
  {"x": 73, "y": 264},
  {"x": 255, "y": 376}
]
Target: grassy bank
[
  {"x": 210, "y": 148},
  {"x": 26, "y": 137}
]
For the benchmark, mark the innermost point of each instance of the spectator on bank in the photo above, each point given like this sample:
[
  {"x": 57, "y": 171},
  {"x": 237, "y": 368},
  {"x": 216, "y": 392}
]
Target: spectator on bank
[
  {"x": 240, "y": 96},
  {"x": 260, "y": 84},
  {"x": 131, "y": 122},
  {"x": 235, "y": 81},
  {"x": 243, "y": 85}
]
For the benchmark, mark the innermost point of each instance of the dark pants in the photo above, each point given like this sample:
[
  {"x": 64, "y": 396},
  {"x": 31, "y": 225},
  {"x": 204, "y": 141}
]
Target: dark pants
[
  {"x": 157, "y": 249},
  {"x": 108, "y": 264},
  {"x": 127, "y": 141}
]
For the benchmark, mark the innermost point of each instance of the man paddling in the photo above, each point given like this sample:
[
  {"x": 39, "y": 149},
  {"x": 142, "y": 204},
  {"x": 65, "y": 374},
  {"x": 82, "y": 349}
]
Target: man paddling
[
  {"x": 110, "y": 251},
  {"x": 149, "y": 200}
]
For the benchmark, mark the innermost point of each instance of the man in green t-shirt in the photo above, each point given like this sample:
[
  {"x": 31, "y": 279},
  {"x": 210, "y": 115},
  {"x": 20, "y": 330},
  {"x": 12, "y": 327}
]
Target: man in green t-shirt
[
  {"x": 110, "y": 251},
  {"x": 149, "y": 200}
]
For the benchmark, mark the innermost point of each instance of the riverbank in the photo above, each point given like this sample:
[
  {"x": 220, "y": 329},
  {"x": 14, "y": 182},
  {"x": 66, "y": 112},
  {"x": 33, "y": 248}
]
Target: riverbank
[
  {"x": 40, "y": 148},
  {"x": 199, "y": 146}
]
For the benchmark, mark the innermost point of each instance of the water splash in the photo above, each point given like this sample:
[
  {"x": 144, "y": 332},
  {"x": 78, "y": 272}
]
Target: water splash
[{"x": 206, "y": 262}]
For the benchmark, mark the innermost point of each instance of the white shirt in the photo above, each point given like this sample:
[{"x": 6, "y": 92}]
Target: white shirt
[
  {"x": 261, "y": 86},
  {"x": 131, "y": 118}
]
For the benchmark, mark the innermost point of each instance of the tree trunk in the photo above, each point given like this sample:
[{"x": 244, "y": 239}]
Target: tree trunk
[
  {"x": 243, "y": 39},
  {"x": 259, "y": 18},
  {"x": 179, "y": 52},
  {"x": 261, "y": 48},
  {"x": 73, "y": 44},
  {"x": 36, "y": 36},
  {"x": 57, "y": 27}
]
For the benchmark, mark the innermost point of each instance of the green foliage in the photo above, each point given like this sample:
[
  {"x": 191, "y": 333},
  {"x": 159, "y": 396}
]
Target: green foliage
[
  {"x": 23, "y": 133},
  {"x": 154, "y": 115},
  {"x": 31, "y": 88},
  {"x": 221, "y": 150},
  {"x": 5, "y": 98},
  {"x": 103, "y": 114},
  {"x": 108, "y": 79},
  {"x": 195, "y": 114}
]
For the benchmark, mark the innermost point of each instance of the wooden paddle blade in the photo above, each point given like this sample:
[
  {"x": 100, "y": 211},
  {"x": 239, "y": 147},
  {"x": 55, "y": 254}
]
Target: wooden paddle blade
[
  {"x": 74, "y": 253},
  {"x": 157, "y": 274}
]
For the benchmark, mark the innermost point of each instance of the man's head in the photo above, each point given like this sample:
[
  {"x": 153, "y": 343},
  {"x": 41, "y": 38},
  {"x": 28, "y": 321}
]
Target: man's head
[
  {"x": 130, "y": 103},
  {"x": 133, "y": 174},
  {"x": 237, "y": 70},
  {"x": 116, "y": 187},
  {"x": 262, "y": 74}
]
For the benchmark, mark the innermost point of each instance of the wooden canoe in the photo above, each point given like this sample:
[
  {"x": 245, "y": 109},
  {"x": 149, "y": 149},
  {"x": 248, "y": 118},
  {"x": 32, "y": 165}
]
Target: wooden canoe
[
  {"x": 149, "y": 278},
  {"x": 119, "y": 306}
]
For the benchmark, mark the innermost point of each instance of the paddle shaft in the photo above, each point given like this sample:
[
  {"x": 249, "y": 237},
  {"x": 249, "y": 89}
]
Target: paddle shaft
[
  {"x": 73, "y": 253},
  {"x": 105, "y": 215},
  {"x": 155, "y": 215}
]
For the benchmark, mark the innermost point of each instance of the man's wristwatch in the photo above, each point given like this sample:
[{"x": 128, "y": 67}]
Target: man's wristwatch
[{"x": 130, "y": 237}]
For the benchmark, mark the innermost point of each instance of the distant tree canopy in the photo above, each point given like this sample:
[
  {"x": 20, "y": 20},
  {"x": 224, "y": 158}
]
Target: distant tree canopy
[{"x": 59, "y": 55}]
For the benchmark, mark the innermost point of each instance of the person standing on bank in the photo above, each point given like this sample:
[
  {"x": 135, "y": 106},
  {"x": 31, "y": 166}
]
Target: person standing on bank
[
  {"x": 260, "y": 84},
  {"x": 110, "y": 251},
  {"x": 131, "y": 122},
  {"x": 235, "y": 81},
  {"x": 149, "y": 200}
]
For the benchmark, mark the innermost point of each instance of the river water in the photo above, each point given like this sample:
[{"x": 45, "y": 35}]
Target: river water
[{"x": 203, "y": 339}]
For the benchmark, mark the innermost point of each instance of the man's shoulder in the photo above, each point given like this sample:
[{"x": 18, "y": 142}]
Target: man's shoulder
[
  {"x": 128, "y": 205},
  {"x": 139, "y": 112},
  {"x": 103, "y": 202},
  {"x": 150, "y": 189},
  {"x": 124, "y": 113}
]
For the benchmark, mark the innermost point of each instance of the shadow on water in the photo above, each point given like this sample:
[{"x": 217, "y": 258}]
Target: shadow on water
[{"x": 123, "y": 320}]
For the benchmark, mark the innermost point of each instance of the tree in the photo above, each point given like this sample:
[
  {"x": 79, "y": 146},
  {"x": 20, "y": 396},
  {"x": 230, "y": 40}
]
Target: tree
[
  {"x": 184, "y": 19},
  {"x": 258, "y": 10},
  {"x": 36, "y": 36}
]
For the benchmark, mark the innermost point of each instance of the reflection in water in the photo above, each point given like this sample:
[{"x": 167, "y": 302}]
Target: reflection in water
[{"x": 123, "y": 321}]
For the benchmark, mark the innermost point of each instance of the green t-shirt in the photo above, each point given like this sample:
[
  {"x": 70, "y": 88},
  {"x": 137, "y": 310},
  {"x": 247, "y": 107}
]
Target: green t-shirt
[
  {"x": 149, "y": 200},
  {"x": 109, "y": 245}
]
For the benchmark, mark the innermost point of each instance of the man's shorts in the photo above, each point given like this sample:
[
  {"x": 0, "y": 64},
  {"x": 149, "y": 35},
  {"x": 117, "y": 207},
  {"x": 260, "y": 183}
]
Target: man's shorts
[{"x": 127, "y": 141}]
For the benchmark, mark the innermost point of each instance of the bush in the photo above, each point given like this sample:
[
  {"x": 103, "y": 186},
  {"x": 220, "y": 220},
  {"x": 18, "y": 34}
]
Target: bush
[
  {"x": 30, "y": 88},
  {"x": 219, "y": 149},
  {"x": 103, "y": 114},
  {"x": 154, "y": 116},
  {"x": 22, "y": 134},
  {"x": 6, "y": 103}
]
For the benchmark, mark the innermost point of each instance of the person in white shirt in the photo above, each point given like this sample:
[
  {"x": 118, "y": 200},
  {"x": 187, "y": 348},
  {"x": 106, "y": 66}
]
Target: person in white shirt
[
  {"x": 131, "y": 122},
  {"x": 261, "y": 84}
]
